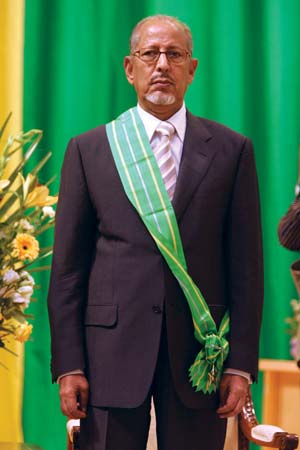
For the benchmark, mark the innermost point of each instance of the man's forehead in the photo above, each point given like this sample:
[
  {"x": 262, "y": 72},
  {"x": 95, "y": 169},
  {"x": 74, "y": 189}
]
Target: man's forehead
[{"x": 162, "y": 32}]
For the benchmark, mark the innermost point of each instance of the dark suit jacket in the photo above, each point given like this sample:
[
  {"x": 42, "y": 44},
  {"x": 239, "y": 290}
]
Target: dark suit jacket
[{"x": 110, "y": 284}]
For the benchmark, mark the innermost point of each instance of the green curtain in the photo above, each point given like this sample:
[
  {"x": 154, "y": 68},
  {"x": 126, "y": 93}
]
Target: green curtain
[{"x": 248, "y": 78}]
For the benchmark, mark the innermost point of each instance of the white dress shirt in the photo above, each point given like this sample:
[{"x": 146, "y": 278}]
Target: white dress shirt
[{"x": 178, "y": 120}]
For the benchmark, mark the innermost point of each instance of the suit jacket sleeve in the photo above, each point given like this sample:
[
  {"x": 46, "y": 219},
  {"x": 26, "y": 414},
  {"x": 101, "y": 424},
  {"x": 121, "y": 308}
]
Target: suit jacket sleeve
[
  {"x": 245, "y": 266},
  {"x": 73, "y": 251}
]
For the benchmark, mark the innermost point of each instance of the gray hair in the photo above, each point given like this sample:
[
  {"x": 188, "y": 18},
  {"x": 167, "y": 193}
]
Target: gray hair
[{"x": 181, "y": 26}]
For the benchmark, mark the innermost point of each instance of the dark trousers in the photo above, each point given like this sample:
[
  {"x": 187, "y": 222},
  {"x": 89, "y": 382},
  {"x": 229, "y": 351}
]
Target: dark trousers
[{"x": 177, "y": 427}]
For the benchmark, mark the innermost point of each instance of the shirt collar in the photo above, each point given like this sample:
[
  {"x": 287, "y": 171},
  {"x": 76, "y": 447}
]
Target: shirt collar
[{"x": 178, "y": 120}]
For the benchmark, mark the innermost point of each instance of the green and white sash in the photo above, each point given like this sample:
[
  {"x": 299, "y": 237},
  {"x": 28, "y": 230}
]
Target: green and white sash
[{"x": 143, "y": 184}]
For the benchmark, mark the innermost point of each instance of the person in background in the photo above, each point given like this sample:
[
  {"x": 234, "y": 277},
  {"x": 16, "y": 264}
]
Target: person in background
[
  {"x": 289, "y": 225},
  {"x": 157, "y": 282},
  {"x": 289, "y": 237}
]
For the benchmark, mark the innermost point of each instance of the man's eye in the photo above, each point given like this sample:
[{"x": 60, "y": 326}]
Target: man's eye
[
  {"x": 174, "y": 54},
  {"x": 149, "y": 53}
]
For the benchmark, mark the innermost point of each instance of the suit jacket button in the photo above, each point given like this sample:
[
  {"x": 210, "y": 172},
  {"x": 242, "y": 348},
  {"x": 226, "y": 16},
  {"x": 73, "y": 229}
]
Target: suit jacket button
[{"x": 156, "y": 309}]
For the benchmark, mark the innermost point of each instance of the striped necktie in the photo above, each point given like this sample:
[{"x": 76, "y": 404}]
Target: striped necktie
[{"x": 164, "y": 158}]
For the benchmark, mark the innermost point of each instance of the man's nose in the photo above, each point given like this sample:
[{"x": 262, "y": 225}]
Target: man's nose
[{"x": 162, "y": 61}]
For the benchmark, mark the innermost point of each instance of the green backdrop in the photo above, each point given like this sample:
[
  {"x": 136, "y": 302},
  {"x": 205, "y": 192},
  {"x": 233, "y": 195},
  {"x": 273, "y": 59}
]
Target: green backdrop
[{"x": 248, "y": 78}]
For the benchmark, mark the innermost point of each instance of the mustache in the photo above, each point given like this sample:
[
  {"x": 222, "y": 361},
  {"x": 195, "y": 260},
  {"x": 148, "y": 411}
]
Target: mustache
[{"x": 166, "y": 77}]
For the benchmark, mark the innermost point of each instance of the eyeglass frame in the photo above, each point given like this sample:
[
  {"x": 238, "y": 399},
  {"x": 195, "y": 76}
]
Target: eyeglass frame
[{"x": 159, "y": 52}]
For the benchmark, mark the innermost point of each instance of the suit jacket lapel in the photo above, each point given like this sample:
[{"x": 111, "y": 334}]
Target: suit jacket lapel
[{"x": 195, "y": 162}]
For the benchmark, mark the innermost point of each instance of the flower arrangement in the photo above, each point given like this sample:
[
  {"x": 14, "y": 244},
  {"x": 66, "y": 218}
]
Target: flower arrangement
[{"x": 25, "y": 213}]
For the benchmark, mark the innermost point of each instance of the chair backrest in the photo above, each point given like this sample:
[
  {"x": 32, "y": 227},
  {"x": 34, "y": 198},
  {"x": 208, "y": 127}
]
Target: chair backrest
[
  {"x": 73, "y": 429},
  {"x": 265, "y": 435}
]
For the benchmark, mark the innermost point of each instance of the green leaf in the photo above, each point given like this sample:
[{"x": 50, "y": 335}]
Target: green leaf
[
  {"x": 2, "y": 129},
  {"x": 51, "y": 180},
  {"x": 6, "y": 330},
  {"x": 34, "y": 143},
  {"x": 46, "y": 249},
  {"x": 39, "y": 269},
  {"x": 46, "y": 255},
  {"x": 19, "y": 316},
  {"x": 10, "y": 203},
  {"x": 41, "y": 164},
  {"x": 45, "y": 228}
]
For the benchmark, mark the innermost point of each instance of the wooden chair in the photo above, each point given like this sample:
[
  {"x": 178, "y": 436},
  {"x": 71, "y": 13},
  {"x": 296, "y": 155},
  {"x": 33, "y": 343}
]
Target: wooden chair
[
  {"x": 249, "y": 430},
  {"x": 73, "y": 429}
]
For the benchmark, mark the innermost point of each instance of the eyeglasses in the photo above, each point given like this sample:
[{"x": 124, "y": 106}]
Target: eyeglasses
[{"x": 152, "y": 55}]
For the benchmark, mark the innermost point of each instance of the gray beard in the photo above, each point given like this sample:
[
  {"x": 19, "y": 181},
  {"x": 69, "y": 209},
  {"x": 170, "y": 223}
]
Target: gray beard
[{"x": 159, "y": 98}]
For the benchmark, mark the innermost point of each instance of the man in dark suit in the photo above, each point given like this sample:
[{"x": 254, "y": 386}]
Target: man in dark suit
[{"x": 122, "y": 330}]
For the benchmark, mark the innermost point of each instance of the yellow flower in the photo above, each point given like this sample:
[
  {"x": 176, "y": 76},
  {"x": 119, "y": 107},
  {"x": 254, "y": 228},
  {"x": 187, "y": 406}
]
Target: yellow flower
[
  {"x": 25, "y": 246},
  {"x": 40, "y": 197},
  {"x": 23, "y": 332}
]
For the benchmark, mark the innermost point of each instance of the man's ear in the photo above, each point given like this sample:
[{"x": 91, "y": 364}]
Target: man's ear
[
  {"x": 192, "y": 69},
  {"x": 128, "y": 67}
]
